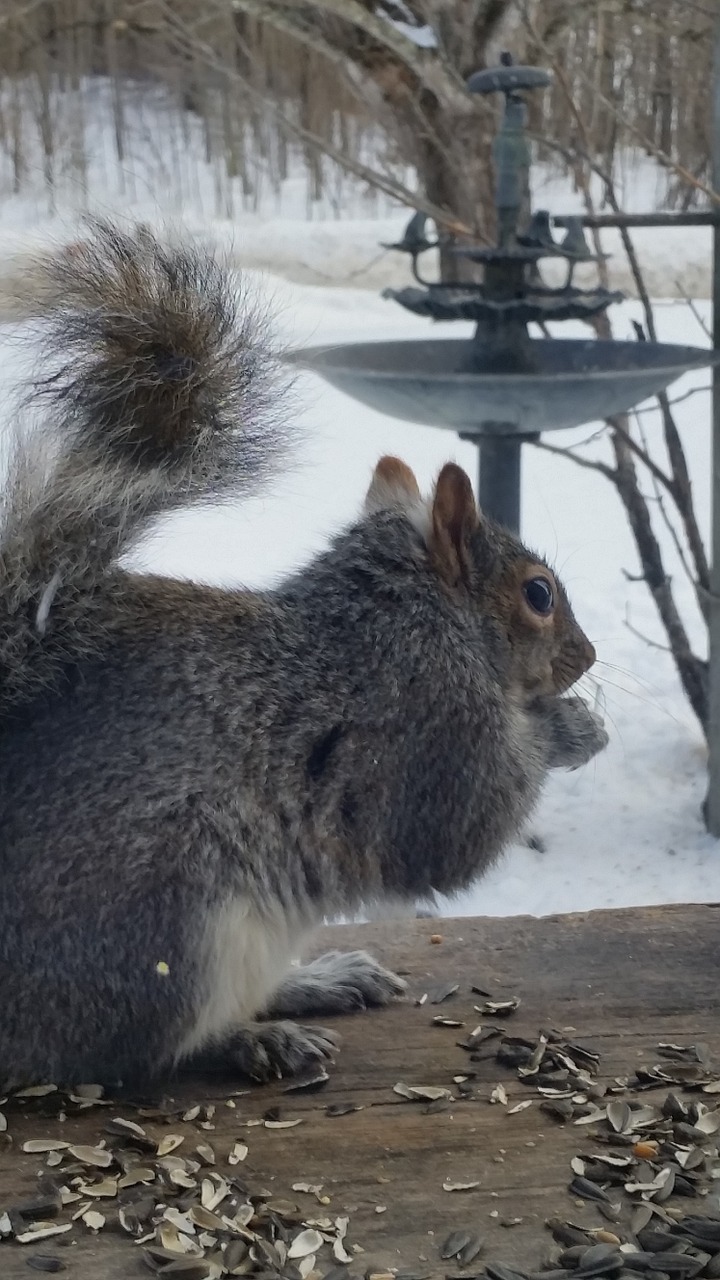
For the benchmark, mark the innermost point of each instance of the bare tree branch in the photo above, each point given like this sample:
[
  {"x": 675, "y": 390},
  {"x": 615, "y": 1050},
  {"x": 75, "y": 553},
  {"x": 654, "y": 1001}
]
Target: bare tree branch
[
  {"x": 432, "y": 72},
  {"x": 565, "y": 451},
  {"x": 643, "y": 455},
  {"x": 279, "y": 18},
  {"x": 648, "y": 640},
  {"x": 382, "y": 182},
  {"x": 667, "y": 162},
  {"x": 690, "y": 302},
  {"x": 692, "y": 670}
]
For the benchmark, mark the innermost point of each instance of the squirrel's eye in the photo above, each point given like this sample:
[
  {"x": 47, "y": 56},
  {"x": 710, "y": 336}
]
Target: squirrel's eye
[{"x": 539, "y": 595}]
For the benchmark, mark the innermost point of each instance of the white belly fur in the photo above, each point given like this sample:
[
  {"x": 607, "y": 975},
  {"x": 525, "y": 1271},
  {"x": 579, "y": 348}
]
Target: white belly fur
[{"x": 244, "y": 957}]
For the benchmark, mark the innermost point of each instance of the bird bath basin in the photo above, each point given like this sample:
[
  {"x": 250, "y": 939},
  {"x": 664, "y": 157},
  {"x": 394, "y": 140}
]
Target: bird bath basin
[
  {"x": 570, "y": 382},
  {"x": 564, "y": 383}
]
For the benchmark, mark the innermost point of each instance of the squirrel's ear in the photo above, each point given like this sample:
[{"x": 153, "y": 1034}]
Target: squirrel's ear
[
  {"x": 393, "y": 485},
  {"x": 455, "y": 518}
]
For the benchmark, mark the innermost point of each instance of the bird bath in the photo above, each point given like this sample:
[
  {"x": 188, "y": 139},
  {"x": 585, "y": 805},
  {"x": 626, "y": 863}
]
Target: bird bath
[
  {"x": 502, "y": 387},
  {"x": 428, "y": 381}
]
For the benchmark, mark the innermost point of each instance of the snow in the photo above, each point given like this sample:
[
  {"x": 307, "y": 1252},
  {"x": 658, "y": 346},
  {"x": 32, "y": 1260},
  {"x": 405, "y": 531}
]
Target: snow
[
  {"x": 421, "y": 35},
  {"x": 336, "y": 240},
  {"x": 625, "y": 830}
]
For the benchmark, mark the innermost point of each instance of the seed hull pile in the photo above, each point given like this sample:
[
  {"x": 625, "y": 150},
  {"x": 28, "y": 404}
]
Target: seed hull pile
[
  {"x": 647, "y": 1163},
  {"x": 158, "y": 1180},
  {"x": 642, "y": 1191}
]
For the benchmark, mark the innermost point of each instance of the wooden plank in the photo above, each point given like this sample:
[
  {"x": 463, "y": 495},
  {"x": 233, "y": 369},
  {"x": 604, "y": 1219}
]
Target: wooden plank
[{"x": 624, "y": 980}]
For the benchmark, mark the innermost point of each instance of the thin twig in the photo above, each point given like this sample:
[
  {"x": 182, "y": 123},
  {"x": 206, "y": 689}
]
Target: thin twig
[
  {"x": 693, "y": 307},
  {"x": 652, "y": 644},
  {"x": 686, "y": 395},
  {"x": 642, "y": 452},
  {"x": 664, "y": 515},
  {"x": 675, "y": 538},
  {"x": 566, "y": 452}
]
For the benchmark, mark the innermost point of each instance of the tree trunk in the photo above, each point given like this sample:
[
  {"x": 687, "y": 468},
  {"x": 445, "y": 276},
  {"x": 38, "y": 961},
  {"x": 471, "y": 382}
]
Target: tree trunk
[
  {"x": 455, "y": 170},
  {"x": 662, "y": 95}
]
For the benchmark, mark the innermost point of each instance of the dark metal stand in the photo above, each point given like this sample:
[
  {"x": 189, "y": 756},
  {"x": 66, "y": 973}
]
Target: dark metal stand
[
  {"x": 499, "y": 479},
  {"x": 499, "y": 475}
]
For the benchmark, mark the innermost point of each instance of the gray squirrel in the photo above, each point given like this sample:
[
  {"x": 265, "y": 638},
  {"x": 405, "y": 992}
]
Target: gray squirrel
[{"x": 192, "y": 779}]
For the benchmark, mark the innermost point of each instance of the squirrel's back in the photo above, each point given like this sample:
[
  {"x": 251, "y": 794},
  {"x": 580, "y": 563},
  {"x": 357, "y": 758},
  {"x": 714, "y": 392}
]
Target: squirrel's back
[{"x": 159, "y": 389}]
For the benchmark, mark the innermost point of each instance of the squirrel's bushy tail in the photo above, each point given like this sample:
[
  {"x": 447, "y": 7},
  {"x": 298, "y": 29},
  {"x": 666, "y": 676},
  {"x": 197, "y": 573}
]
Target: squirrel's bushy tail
[{"x": 160, "y": 390}]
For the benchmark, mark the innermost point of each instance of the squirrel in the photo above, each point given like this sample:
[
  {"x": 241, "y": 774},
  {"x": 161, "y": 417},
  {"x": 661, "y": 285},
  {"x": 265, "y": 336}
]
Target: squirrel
[{"x": 192, "y": 779}]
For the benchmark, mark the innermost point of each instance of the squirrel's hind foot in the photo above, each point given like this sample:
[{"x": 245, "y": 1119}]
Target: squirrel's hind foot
[{"x": 270, "y": 1051}]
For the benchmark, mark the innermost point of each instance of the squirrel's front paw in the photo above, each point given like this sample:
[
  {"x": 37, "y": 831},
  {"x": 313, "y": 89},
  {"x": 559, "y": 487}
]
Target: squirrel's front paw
[
  {"x": 337, "y": 982},
  {"x": 575, "y": 733}
]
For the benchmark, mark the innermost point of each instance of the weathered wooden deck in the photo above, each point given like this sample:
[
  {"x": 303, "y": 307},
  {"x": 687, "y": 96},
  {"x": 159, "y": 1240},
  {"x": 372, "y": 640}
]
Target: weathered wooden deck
[{"x": 624, "y": 980}]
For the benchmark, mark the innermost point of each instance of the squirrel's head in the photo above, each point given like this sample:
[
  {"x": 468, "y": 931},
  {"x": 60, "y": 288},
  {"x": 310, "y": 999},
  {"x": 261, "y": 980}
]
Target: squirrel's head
[{"x": 488, "y": 569}]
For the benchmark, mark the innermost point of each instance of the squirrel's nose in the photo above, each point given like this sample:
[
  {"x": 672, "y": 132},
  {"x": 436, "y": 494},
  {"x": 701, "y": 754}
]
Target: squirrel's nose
[{"x": 589, "y": 654}]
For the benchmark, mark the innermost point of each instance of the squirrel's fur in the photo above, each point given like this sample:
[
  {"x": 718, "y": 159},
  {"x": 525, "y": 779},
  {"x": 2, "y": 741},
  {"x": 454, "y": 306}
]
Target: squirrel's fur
[{"x": 192, "y": 778}]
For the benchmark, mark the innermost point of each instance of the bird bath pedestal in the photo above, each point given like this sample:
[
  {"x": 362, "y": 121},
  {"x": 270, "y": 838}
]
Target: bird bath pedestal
[{"x": 502, "y": 387}]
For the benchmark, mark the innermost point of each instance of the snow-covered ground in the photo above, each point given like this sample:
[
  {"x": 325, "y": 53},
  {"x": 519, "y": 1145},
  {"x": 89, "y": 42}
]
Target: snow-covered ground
[
  {"x": 627, "y": 829},
  {"x": 333, "y": 240}
]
